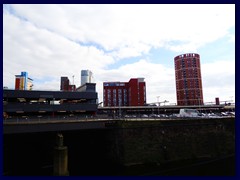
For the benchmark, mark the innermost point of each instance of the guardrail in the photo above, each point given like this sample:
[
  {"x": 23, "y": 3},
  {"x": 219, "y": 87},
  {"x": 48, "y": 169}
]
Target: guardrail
[{"x": 96, "y": 118}]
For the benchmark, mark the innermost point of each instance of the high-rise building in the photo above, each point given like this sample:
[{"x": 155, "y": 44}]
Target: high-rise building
[
  {"x": 188, "y": 79},
  {"x": 132, "y": 93},
  {"x": 65, "y": 85},
  {"x": 115, "y": 94},
  {"x": 137, "y": 92},
  {"x": 86, "y": 77},
  {"x": 23, "y": 82}
]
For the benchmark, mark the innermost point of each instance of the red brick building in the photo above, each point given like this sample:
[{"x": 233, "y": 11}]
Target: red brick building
[
  {"x": 188, "y": 79},
  {"x": 132, "y": 93},
  {"x": 65, "y": 85}
]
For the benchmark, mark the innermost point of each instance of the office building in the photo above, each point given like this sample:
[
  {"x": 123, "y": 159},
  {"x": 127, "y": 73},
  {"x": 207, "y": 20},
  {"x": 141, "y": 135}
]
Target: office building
[
  {"x": 86, "y": 77},
  {"x": 188, "y": 79},
  {"x": 66, "y": 86},
  {"x": 23, "y": 82},
  {"x": 87, "y": 87},
  {"x": 132, "y": 93}
]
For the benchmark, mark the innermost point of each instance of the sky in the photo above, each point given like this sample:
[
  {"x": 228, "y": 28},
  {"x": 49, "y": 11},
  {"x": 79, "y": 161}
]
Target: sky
[{"x": 119, "y": 42}]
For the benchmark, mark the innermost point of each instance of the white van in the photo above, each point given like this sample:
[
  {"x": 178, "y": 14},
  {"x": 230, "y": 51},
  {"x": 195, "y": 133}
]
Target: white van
[{"x": 188, "y": 113}]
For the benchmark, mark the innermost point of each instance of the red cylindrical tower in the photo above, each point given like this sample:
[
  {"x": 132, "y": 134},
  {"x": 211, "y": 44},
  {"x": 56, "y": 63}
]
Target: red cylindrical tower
[{"x": 188, "y": 79}]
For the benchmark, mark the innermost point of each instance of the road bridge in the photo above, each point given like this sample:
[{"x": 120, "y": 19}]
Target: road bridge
[
  {"x": 71, "y": 124},
  {"x": 53, "y": 125}
]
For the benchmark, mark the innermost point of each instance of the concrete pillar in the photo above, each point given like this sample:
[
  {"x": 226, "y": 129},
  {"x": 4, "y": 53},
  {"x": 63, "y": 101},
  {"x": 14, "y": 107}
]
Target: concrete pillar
[{"x": 60, "y": 164}]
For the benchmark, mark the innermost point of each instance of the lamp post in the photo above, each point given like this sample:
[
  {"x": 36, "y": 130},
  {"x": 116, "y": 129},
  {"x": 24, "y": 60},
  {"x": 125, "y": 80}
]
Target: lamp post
[
  {"x": 165, "y": 102},
  {"x": 158, "y": 103},
  {"x": 199, "y": 103}
]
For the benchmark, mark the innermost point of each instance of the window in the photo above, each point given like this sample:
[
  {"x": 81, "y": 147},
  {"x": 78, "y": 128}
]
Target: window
[
  {"x": 109, "y": 97},
  {"x": 125, "y": 97},
  {"x": 119, "y": 97},
  {"x": 114, "y": 97}
]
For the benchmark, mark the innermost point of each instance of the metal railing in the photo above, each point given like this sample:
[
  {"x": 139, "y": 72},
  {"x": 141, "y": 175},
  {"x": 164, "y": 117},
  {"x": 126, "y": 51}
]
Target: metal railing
[{"x": 15, "y": 119}]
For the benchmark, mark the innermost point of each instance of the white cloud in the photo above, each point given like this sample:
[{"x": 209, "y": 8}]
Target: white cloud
[
  {"x": 117, "y": 26},
  {"x": 231, "y": 38},
  {"x": 131, "y": 51},
  {"x": 218, "y": 80}
]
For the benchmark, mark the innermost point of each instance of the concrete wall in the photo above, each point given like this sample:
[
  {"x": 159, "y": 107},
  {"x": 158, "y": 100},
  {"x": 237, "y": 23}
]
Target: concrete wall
[{"x": 159, "y": 142}]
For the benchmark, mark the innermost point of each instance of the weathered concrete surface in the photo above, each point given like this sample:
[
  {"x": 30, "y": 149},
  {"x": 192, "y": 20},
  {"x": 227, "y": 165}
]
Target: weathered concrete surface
[
  {"x": 140, "y": 142},
  {"x": 60, "y": 162}
]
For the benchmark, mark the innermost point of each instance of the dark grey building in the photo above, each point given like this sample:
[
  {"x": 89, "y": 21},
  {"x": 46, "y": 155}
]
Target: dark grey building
[{"x": 51, "y": 103}]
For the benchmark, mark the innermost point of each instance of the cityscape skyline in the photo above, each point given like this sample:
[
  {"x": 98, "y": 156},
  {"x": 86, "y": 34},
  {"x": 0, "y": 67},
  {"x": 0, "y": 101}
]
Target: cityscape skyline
[{"x": 50, "y": 41}]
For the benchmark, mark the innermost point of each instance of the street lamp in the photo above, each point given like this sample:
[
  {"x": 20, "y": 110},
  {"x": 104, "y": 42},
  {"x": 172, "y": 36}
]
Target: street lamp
[
  {"x": 165, "y": 102},
  {"x": 158, "y": 100},
  {"x": 158, "y": 103},
  {"x": 199, "y": 103}
]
